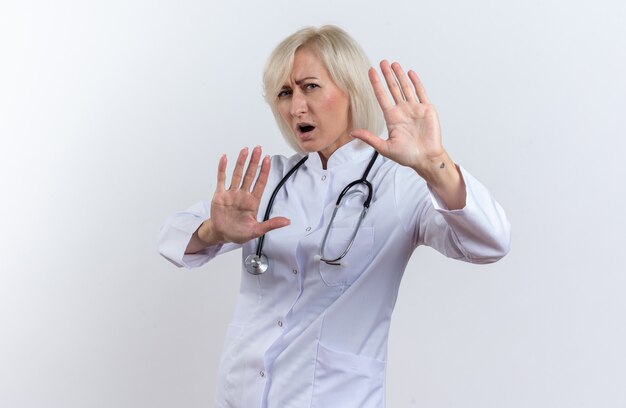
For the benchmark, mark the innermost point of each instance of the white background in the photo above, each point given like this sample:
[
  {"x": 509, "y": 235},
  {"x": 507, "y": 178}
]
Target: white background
[{"x": 113, "y": 114}]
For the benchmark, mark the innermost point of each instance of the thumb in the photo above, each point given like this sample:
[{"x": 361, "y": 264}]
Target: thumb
[
  {"x": 272, "y": 224},
  {"x": 370, "y": 138}
]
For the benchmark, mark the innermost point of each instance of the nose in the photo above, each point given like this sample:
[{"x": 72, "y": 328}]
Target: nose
[{"x": 298, "y": 104}]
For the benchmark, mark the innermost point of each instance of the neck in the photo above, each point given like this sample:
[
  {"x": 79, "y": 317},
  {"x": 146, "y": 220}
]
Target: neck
[
  {"x": 323, "y": 159},
  {"x": 328, "y": 151}
]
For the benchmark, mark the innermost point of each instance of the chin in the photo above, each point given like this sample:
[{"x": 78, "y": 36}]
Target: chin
[{"x": 309, "y": 146}]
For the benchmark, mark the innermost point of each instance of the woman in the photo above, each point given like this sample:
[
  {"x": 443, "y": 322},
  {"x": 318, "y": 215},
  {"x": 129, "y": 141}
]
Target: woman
[{"x": 312, "y": 320}]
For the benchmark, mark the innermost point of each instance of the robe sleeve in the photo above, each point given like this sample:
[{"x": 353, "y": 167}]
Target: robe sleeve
[
  {"x": 477, "y": 233},
  {"x": 176, "y": 232}
]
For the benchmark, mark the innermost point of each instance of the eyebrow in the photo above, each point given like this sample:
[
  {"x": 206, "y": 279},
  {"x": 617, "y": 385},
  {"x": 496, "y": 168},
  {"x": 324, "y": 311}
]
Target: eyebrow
[{"x": 299, "y": 81}]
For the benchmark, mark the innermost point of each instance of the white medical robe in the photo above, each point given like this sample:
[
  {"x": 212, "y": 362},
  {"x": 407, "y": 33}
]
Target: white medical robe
[{"x": 308, "y": 334}]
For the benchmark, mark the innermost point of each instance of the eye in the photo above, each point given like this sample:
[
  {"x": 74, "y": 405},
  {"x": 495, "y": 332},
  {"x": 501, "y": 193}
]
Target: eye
[
  {"x": 284, "y": 92},
  {"x": 310, "y": 86}
]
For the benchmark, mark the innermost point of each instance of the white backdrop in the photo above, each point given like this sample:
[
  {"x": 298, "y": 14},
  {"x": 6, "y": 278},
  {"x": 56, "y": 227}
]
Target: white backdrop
[{"x": 113, "y": 114}]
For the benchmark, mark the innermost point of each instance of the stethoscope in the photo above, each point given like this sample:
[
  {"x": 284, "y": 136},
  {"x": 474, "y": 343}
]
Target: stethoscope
[{"x": 257, "y": 264}]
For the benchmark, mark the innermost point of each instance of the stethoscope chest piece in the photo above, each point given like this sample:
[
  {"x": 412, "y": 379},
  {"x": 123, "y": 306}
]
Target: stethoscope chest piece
[{"x": 256, "y": 264}]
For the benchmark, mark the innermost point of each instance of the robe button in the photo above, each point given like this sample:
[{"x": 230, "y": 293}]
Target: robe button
[
  {"x": 262, "y": 373},
  {"x": 308, "y": 228}
]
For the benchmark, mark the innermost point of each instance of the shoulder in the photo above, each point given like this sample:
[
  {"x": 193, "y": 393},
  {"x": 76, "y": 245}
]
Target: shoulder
[
  {"x": 280, "y": 164},
  {"x": 404, "y": 177},
  {"x": 402, "y": 183}
]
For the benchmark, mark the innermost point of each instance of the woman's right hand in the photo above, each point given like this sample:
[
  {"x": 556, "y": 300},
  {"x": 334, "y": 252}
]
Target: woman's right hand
[{"x": 234, "y": 209}]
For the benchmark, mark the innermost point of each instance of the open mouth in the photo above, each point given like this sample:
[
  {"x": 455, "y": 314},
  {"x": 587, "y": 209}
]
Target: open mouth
[{"x": 305, "y": 128}]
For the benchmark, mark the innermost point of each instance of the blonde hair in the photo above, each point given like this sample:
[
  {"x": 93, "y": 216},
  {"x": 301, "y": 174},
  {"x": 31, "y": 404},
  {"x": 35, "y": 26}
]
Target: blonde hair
[{"x": 347, "y": 64}]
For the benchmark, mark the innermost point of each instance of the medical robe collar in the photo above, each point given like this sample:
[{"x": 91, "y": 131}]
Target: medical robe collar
[{"x": 348, "y": 153}]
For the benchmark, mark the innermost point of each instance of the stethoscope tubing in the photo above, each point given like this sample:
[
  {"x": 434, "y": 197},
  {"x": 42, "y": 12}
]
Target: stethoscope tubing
[
  {"x": 257, "y": 264},
  {"x": 270, "y": 204}
]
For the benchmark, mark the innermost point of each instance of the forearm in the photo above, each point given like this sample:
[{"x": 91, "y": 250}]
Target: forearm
[
  {"x": 444, "y": 177},
  {"x": 480, "y": 231}
]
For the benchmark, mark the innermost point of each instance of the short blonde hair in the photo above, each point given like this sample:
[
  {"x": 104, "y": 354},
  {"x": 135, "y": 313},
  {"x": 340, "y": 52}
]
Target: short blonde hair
[{"x": 347, "y": 64}]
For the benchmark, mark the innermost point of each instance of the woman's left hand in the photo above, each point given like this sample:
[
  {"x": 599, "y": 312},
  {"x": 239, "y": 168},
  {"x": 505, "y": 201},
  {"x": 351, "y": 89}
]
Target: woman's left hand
[
  {"x": 414, "y": 132},
  {"x": 412, "y": 122}
]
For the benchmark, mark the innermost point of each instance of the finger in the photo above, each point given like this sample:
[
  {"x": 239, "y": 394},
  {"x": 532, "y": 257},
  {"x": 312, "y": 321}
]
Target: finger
[
  {"x": 371, "y": 139},
  {"x": 392, "y": 82},
  {"x": 405, "y": 85},
  {"x": 261, "y": 181},
  {"x": 221, "y": 174},
  {"x": 271, "y": 224},
  {"x": 419, "y": 88},
  {"x": 252, "y": 169},
  {"x": 379, "y": 89},
  {"x": 238, "y": 172}
]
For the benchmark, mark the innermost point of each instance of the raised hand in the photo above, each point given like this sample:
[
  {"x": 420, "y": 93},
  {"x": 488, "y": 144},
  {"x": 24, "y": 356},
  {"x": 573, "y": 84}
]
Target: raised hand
[
  {"x": 234, "y": 209},
  {"x": 412, "y": 122},
  {"x": 414, "y": 132}
]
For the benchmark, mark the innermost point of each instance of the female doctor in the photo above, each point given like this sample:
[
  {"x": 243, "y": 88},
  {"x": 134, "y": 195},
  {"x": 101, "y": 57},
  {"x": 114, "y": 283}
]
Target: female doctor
[{"x": 322, "y": 265}]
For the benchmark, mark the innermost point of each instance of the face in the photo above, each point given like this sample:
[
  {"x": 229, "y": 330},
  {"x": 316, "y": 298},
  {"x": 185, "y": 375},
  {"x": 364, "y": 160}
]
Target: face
[{"x": 316, "y": 110}]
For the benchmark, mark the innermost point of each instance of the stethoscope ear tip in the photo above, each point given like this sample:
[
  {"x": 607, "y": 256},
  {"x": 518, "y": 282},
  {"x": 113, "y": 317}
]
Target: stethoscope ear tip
[{"x": 318, "y": 258}]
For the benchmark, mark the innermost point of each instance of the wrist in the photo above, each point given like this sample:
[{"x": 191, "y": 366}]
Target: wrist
[
  {"x": 207, "y": 235},
  {"x": 437, "y": 170},
  {"x": 444, "y": 177}
]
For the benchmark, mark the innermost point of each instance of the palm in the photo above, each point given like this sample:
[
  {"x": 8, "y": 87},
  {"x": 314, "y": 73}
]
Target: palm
[
  {"x": 412, "y": 122},
  {"x": 234, "y": 214},
  {"x": 413, "y": 131},
  {"x": 234, "y": 210}
]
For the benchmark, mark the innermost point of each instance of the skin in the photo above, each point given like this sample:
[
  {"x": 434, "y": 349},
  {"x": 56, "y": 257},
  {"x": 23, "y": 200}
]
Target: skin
[
  {"x": 311, "y": 96},
  {"x": 414, "y": 133}
]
